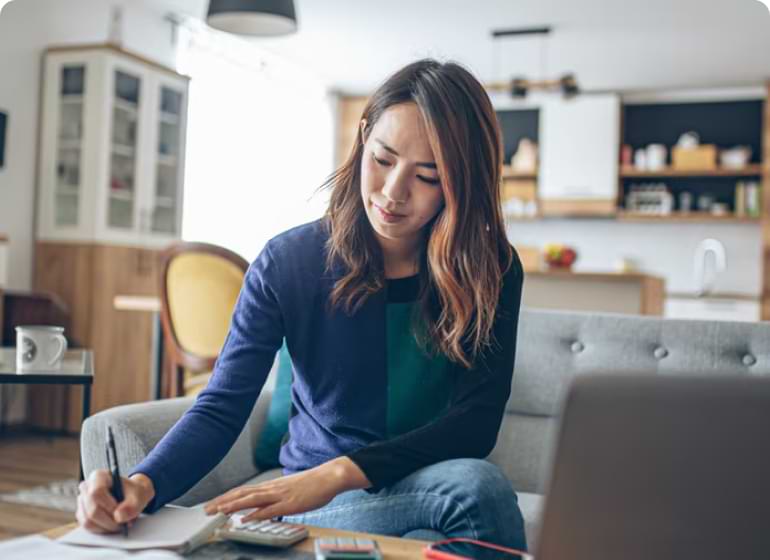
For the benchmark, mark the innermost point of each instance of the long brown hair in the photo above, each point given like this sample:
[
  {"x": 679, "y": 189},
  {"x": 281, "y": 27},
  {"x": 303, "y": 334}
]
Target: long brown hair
[{"x": 466, "y": 251}]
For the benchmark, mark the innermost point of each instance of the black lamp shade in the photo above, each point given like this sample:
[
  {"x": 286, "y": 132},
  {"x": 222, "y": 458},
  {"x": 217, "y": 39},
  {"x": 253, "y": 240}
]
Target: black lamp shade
[{"x": 253, "y": 17}]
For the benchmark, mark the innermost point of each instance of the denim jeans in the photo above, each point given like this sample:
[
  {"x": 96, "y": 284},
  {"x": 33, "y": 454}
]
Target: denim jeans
[{"x": 456, "y": 498}]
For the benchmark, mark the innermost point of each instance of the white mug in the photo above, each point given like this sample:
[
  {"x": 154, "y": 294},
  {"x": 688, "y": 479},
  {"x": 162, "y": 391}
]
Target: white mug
[
  {"x": 656, "y": 157},
  {"x": 39, "y": 348}
]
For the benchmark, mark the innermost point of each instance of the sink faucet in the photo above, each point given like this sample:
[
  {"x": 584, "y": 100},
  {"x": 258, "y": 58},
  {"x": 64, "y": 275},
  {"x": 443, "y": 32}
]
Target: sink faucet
[{"x": 715, "y": 247}]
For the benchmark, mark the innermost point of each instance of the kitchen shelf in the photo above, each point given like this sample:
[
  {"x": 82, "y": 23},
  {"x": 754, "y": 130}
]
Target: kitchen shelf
[
  {"x": 753, "y": 170},
  {"x": 684, "y": 217}
]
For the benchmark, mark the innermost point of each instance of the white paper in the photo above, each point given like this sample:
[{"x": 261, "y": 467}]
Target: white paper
[
  {"x": 41, "y": 547},
  {"x": 171, "y": 527}
]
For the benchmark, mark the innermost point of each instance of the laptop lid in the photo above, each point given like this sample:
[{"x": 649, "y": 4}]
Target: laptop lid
[{"x": 661, "y": 467}]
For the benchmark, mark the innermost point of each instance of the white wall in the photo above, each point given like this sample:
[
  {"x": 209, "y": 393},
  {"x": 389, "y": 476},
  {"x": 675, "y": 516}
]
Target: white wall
[
  {"x": 27, "y": 27},
  {"x": 664, "y": 249}
]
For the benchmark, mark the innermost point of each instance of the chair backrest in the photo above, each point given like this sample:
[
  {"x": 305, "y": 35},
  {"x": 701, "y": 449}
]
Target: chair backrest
[
  {"x": 200, "y": 284},
  {"x": 554, "y": 346}
]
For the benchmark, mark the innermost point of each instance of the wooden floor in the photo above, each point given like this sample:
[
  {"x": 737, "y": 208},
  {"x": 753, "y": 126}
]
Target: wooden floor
[{"x": 32, "y": 460}]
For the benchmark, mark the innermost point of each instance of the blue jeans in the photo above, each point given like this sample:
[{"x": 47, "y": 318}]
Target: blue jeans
[{"x": 457, "y": 498}]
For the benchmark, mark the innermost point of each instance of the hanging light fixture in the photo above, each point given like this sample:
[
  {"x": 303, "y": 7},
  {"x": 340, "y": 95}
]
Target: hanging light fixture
[
  {"x": 519, "y": 86},
  {"x": 253, "y": 17}
]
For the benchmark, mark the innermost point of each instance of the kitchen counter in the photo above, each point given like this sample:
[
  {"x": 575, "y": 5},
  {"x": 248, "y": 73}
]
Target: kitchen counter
[{"x": 616, "y": 292}]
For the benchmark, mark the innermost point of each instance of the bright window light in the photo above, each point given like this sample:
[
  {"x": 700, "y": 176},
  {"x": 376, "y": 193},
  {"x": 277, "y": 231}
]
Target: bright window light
[{"x": 260, "y": 141}]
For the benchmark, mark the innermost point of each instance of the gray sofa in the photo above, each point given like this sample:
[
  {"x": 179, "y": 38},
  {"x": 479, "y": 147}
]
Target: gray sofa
[{"x": 553, "y": 347}]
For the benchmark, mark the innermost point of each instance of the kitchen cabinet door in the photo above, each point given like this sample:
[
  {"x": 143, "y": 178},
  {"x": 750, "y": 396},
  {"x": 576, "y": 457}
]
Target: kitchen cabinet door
[{"x": 579, "y": 149}]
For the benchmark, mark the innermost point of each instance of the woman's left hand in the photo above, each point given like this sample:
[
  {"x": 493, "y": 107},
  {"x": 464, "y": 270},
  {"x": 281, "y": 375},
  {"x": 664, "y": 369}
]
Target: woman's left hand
[{"x": 296, "y": 493}]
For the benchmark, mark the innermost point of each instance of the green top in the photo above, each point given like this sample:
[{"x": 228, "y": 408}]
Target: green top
[{"x": 419, "y": 385}]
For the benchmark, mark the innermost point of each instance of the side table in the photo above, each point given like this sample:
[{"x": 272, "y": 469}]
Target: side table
[{"x": 76, "y": 369}]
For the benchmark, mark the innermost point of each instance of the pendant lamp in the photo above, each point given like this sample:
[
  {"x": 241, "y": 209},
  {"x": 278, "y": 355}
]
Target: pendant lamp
[{"x": 253, "y": 17}]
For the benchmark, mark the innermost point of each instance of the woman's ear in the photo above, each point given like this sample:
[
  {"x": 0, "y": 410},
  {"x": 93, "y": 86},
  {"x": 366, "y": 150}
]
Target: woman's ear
[{"x": 362, "y": 126}]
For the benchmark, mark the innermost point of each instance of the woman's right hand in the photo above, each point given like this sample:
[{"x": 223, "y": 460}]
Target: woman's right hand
[{"x": 99, "y": 512}]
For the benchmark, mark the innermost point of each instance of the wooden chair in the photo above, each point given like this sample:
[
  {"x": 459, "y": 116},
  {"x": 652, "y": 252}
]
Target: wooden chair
[{"x": 200, "y": 284}]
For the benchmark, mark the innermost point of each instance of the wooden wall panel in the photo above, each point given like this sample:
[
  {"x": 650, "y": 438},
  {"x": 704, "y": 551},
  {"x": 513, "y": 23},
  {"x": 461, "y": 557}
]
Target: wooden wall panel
[
  {"x": 653, "y": 296},
  {"x": 349, "y": 112},
  {"x": 65, "y": 270},
  {"x": 87, "y": 278},
  {"x": 122, "y": 340}
]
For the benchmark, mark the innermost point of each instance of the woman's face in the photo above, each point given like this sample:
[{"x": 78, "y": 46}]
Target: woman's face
[{"x": 399, "y": 183}]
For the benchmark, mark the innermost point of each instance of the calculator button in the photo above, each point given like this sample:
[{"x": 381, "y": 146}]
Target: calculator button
[{"x": 290, "y": 531}]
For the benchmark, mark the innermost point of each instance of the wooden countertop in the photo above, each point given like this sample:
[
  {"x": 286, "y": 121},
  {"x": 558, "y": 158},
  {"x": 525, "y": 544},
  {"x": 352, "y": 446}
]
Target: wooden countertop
[{"x": 594, "y": 276}]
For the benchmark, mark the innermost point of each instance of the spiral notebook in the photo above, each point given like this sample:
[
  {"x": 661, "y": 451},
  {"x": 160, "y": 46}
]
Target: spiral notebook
[{"x": 172, "y": 528}]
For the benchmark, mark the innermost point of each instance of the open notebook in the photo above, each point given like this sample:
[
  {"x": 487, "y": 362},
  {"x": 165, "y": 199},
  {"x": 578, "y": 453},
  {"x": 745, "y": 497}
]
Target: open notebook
[{"x": 172, "y": 528}]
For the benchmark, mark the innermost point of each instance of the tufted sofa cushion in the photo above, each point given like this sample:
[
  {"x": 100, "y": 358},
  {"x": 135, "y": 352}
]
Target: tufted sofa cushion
[{"x": 555, "y": 346}]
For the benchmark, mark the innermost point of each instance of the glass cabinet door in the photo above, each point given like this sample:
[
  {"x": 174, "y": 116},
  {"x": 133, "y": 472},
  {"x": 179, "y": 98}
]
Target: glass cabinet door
[
  {"x": 166, "y": 196},
  {"x": 121, "y": 204},
  {"x": 69, "y": 145}
]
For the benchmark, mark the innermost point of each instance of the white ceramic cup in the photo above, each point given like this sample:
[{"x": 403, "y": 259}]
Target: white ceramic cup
[
  {"x": 656, "y": 157},
  {"x": 39, "y": 348}
]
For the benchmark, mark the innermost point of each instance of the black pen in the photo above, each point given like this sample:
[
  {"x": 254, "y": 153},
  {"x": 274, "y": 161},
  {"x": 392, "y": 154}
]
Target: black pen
[{"x": 112, "y": 463}]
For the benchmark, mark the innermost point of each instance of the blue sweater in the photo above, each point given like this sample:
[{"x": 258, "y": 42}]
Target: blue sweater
[{"x": 340, "y": 387}]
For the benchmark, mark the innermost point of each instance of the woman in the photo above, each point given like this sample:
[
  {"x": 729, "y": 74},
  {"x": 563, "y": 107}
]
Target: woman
[{"x": 399, "y": 309}]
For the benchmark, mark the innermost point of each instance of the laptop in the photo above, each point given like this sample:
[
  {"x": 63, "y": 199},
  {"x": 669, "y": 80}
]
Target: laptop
[{"x": 661, "y": 467}]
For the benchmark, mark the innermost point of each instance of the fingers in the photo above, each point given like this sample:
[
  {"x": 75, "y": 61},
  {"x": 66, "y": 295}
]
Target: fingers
[
  {"x": 93, "y": 518},
  {"x": 98, "y": 511},
  {"x": 130, "y": 508},
  {"x": 268, "y": 512},
  {"x": 236, "y": 493},
  {"x": 251, "y": 501}
]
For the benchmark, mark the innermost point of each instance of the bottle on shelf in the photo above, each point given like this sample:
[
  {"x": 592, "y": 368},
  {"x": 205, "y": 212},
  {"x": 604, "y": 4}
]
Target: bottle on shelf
[{"x": 740, "y": 199}]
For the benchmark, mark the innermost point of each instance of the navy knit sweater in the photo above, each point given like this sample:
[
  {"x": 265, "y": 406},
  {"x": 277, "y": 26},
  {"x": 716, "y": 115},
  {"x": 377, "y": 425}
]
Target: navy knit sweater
[{"x": 340, "y": 387}]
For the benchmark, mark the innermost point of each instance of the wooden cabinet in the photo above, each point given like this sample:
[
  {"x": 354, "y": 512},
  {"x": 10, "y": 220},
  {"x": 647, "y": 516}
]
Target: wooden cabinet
[
  {"x": 112, "y": 148},
  {"x": 88, "y": 277},
  {"x": 110, "y": 196},
  {"x": 634, "y": 293}
]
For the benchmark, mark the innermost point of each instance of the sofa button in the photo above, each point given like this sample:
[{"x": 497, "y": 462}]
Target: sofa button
[
  {"x": 577, "y": 347},
  {"x": 660, "y": 353},
  {"x": 749, "y": 360}
]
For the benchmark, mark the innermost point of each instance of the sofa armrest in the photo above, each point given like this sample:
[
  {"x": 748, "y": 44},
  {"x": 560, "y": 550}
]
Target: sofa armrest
[{"x": 139, "y": 427}]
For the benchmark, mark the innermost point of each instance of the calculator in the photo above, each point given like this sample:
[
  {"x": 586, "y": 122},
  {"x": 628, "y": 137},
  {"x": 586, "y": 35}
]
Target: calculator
[
  {"x": 266, "y": 533},
  {"x": 346, "y": 549}
]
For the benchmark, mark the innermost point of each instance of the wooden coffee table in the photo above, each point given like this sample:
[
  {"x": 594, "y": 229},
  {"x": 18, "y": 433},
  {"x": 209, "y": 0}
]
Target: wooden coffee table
[{"x": 393, "y": 548}]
